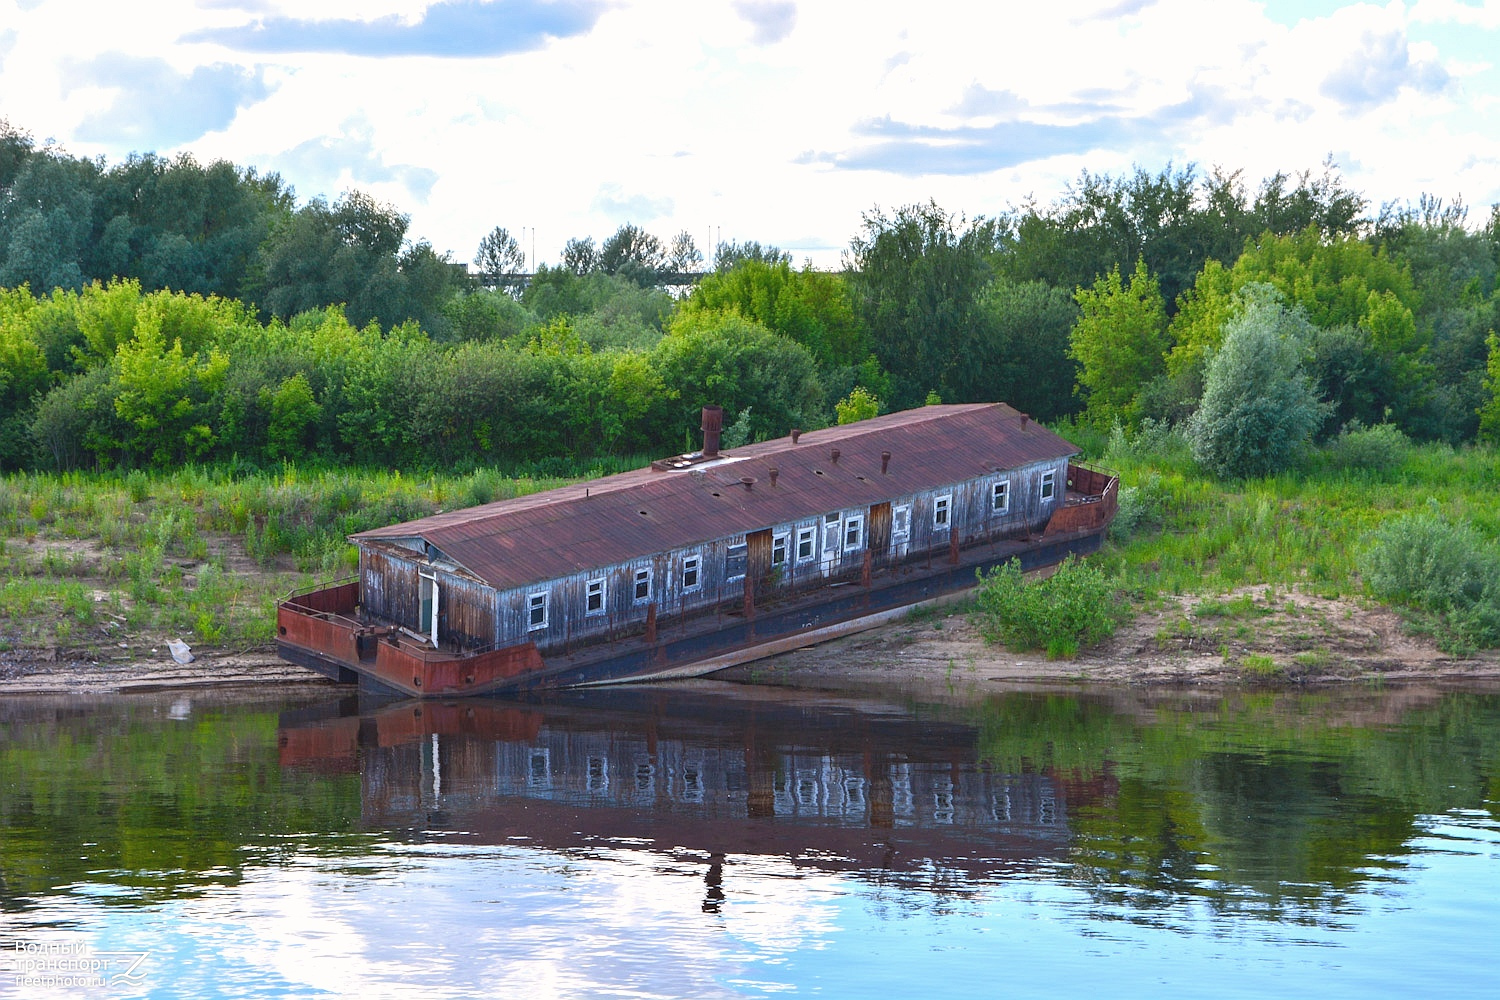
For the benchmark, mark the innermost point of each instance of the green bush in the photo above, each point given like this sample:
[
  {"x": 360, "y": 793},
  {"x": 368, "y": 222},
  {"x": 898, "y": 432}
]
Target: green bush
[
  {"x": 1259, "y": 408},
  {"x": 1074, "y": 608},
  {"x": 1144, "y": 507},
  {"x": 1372, "y": 449},
  {"x": 1449, "y": 570}
]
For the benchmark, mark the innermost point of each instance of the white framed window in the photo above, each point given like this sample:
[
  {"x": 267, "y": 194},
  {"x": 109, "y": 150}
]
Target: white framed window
[
  {"x": 942, "y": 511},
  {"x": 901, "y": 522},
  {"x": 642, "y": 585},
  {"x": 593, "y": 600},
  {"x": 778, "y": 550},
  {"x": 734, "y": 562},
  {"x": 692, "y": 577},
  {"x": 429, "y": 593},
  {"x": 1049, "y": 486},
  {"x": 830, "y": 535},
  {"x": 536, "y": 611},
  {"x": 854, "y": 532},
  {"x": 1000, "y": 497},
  {"x": 807, "y": 544}
]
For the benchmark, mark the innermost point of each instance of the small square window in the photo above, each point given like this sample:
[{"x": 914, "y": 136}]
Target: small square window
[
  {"x": 778, "y": 550},
  {"x": 901, "y": 522},
  {"x": 642, "y": 585},
  {"x": 536, "y": 612},
  {"x": 1049, "y": 481},
  {"x": 690, "y": 576},
  {"x": 854, "y": 533},
  {"x": 1000, "y": 497},
  {"x": 807, "y": 542},
  {"x": 594, "y": 597},
  {"x": 942, "y": 509}
]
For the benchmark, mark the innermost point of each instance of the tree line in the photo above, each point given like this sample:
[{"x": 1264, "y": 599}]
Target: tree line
[{"x": 161, "y": 311}]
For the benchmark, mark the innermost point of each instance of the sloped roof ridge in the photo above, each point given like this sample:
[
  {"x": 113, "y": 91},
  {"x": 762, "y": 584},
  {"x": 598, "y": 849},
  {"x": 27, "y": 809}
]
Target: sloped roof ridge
[{"x": 561, "y": 501}]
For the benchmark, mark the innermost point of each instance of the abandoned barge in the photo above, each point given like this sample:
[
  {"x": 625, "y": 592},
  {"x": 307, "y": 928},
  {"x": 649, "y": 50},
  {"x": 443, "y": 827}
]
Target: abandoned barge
[{"x": 703, "y": 560}]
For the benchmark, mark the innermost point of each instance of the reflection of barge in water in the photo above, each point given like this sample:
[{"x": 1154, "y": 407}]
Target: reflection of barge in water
[
  {"x": 831, "y": 785},
  {"x": 703, "y": 560}
]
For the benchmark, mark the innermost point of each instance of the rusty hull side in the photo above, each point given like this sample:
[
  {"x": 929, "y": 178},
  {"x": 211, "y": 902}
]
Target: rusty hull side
[{"x": 1095, "y": 506}]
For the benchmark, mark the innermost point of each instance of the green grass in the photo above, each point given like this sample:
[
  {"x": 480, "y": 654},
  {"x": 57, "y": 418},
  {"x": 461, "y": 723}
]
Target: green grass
[
  {"x": 160, "y": 549},
  {"x": 1182, "y": 532},
  {"x": 1295, "y": 529}
]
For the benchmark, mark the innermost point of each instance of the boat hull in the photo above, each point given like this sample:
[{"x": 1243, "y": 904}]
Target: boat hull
[{"x": 321, "y": 630}]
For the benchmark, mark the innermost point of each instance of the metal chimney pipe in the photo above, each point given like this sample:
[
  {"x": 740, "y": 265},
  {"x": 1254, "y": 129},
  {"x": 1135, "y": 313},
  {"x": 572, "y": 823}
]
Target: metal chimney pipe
[
  {"x": 796, "y": 433},
  {"x": 774, "y": 473},
  {"x": 835, "y": 456},
  {"x": 713, "y": 423},
  {"x": 885, "y": 461}
]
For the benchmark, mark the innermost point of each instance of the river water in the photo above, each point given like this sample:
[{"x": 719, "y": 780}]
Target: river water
[{"x": 711, "y": 840}]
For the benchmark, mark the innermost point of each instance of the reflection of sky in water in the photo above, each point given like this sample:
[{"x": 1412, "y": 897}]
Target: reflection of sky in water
[{"x": 516, "y": 921}]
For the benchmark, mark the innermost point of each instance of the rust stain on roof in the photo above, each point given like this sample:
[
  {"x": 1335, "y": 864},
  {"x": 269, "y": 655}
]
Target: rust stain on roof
[{"x": 640, "y": 513}]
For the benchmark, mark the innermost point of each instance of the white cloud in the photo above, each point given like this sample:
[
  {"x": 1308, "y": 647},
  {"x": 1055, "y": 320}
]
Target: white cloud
[
  {"x": 1485, "y": 15},
  {"x": 773, "y": 121}
]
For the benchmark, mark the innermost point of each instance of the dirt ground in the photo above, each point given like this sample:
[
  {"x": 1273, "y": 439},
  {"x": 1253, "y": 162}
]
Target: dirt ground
[{"x": 1257, "y": 637}]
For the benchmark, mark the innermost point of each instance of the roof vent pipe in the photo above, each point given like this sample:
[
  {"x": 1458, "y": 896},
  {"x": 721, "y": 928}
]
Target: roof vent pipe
[
  {"x": 748, "y": 482},
  {"x": 1024, "y": 421},
  {"x": 713, "y": 422},
  {"x": 774, "y": 473},
  {"x": 796, "y": 433},
  {"x": 835, "y": 456},
  {"x": 885, "y": 462}
]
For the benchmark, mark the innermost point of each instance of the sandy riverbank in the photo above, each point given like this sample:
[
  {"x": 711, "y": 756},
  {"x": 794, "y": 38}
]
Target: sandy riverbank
[{"x": 1268, "y": 639}]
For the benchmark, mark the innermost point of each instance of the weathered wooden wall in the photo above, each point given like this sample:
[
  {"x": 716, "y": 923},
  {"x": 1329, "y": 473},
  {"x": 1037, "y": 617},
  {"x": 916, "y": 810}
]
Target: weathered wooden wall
[{"x": 472, "y": 615}]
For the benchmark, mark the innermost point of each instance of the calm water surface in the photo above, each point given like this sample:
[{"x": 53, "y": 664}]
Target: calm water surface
[{"x": 718, "y": 841}]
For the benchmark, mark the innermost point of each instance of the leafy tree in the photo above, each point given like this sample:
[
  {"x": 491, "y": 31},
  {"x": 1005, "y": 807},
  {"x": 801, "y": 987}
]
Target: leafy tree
[
  {"x": 498, "y": 257},
  {"x": 859, "y": 405},
  {"x": 1259, "y": 408},
  {"x": 76, "y": 422},
  {"x": 178, "y": 224},
  {"x": 633, "y": 253},
  {"x": 23, "y": 377},
  {"x": 726, "y": 359},
  {"x": 163, "y": 393},
  {"x": 1320, "y": 202},
  {"x": 1176, "y": 220},
  {"x": 1489, "y": 414},
  {"x": 1119, "y": 343},
  {"x": 16, "y": 147},
  {"x": 1377, "y": 364},
  {"x": 1454, "y": 272},
  {"x": 580, "y": 256},
  {"x": 294, "y": 414},
  {"x": 683, "y": 255},
  {"x": 731, "y": 254},
  {"x": 811, "y": 307},
  {"x": 916, "y": 277},
  {"x": 483, "y": 315},
  {"x": 351, "y": 253},
  {"x": 1021, "y": 349},
  {"x": 45, "y": 220}
]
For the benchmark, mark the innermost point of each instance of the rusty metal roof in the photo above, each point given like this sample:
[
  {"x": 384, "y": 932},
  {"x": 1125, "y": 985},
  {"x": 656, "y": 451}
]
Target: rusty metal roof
[{"x": 638, "y": 514}]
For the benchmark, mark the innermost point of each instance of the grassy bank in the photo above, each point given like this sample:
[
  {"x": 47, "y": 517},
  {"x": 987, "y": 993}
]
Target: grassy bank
[
  {"x": 102, "y": 565},
  {"x": 1182, "y": 532},
  {"x": 94, "y": 561}
]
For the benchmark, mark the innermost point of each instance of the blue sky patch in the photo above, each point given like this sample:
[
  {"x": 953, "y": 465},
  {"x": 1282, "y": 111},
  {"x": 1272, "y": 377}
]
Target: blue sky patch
[
  {"x": 319, "y": 163},
  {"x": 158, "y": 107},
  {"x": 457, "y": 29},
  {"x": 912, "y": 150}
]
